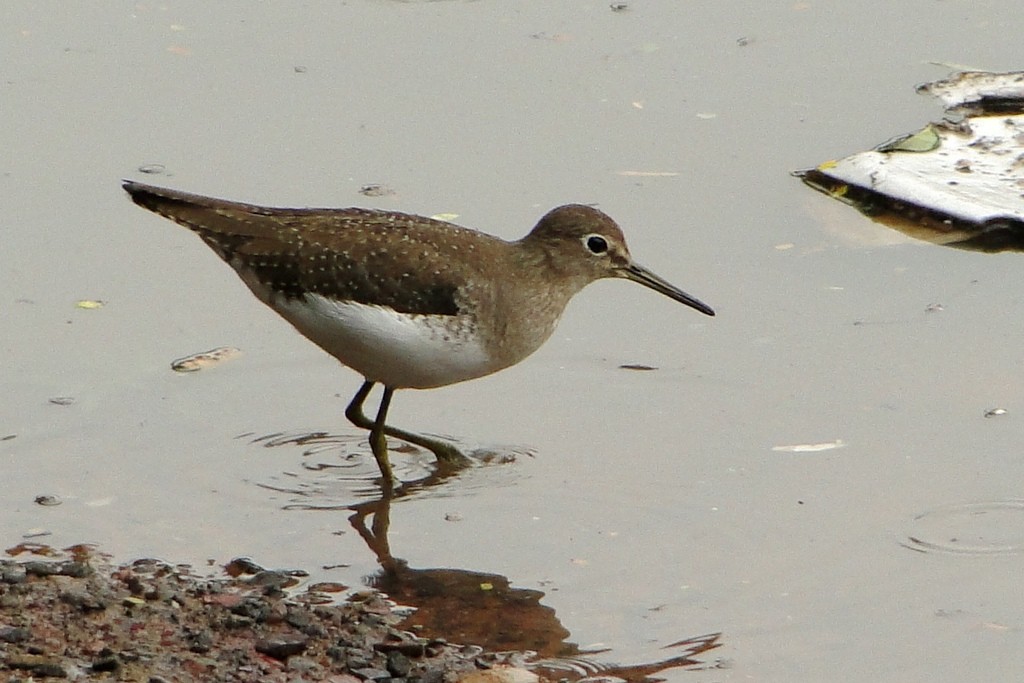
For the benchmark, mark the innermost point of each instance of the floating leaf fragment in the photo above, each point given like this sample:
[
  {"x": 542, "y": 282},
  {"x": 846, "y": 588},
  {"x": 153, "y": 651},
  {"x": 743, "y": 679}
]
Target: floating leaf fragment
[{"x": 924, "y": 140}]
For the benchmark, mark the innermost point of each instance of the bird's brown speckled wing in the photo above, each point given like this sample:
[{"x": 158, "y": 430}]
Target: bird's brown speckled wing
[{"x": 371, "y": 257}]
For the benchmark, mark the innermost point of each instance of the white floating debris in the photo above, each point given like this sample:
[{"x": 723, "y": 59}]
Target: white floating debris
[
  {"x": 36, "y": 532},
  {"x": 958, "y": 182},
  {"x": 649, "y": 174},
  {"x": 810, "y": 447}
]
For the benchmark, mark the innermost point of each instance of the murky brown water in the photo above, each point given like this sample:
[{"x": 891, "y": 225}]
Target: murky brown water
[{"x": 648, "y": 507}]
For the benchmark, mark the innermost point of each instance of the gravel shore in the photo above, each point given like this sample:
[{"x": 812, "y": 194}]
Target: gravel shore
[
  {"x": 79, "y": 618},
  {"x": 74, "y": 615}
]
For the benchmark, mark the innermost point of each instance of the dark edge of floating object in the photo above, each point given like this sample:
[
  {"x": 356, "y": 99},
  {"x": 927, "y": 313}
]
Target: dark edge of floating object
[
  {"x": 980, "y": 98},
  {"x": 1004, "y": 233}
]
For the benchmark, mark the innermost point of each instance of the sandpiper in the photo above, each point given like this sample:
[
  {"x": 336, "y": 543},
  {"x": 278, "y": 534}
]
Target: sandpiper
[{"x": 409, "y": 302}]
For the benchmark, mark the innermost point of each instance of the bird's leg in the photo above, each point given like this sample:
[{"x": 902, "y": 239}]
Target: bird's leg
[
  {"x": 379, "y": 442},
  {"x": 446, "y": 453},
  {"x": 354, "y": 411}
]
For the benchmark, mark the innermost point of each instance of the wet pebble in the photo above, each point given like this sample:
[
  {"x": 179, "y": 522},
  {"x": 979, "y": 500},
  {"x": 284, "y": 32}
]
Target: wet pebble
[
  {"x": 281, "y": 647},
  {"x": 398, "y": 664},
  {"x": 39, "y": 568},
  {"x": 371, "y": 673},
  {"x": 302, "y": 664},
  {"x": 242, "y": 565},
  {"x": 13, "y": 573},
  {"x": 200, "y": 641},
  {"x": 410, "y": 648},
  {"x": 253, "y": 609},
  {"x": 305, "y": 623},
  {"x": 271, "y": 579},
  {"x": 14, "y": 634},
  {"x": 41, "y": 666},
  {"x": 70, "y": 568},
  {"x": 85, "y": 600},
  {"x": 328, "y": 587},
  {"x": 106, "y": 662}
]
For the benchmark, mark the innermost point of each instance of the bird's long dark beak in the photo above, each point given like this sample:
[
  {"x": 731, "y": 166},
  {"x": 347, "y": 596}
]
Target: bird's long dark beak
[{"x": 638, "y": 273}]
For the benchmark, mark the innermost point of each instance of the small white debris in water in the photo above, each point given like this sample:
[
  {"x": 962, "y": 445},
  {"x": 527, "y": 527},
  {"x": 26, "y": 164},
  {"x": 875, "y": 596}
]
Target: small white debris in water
[
  {"x": 995, "y": 412},
  {"x": 810, "y": 447}
]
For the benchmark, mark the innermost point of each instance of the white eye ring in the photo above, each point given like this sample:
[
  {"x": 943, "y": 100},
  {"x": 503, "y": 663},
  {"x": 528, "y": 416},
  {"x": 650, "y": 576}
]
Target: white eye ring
[{"x": 595, "y": 244}]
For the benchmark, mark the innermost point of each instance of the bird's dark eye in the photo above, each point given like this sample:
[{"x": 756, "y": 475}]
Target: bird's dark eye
[{"x": 597, "y": 244}]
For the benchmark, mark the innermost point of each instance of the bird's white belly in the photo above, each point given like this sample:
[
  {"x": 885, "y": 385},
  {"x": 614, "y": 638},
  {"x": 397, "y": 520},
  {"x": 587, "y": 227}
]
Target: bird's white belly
[{"x": 396, "y": 349}]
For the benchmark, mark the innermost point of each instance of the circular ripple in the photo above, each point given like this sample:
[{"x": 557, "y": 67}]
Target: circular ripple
[
  {"x": 990, "y": 528},
  {"x": 338, "y": 471}
]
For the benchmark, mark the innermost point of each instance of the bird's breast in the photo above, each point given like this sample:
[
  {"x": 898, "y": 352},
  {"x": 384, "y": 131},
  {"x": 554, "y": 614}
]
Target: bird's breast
[{"x": 400, "y": 350}]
